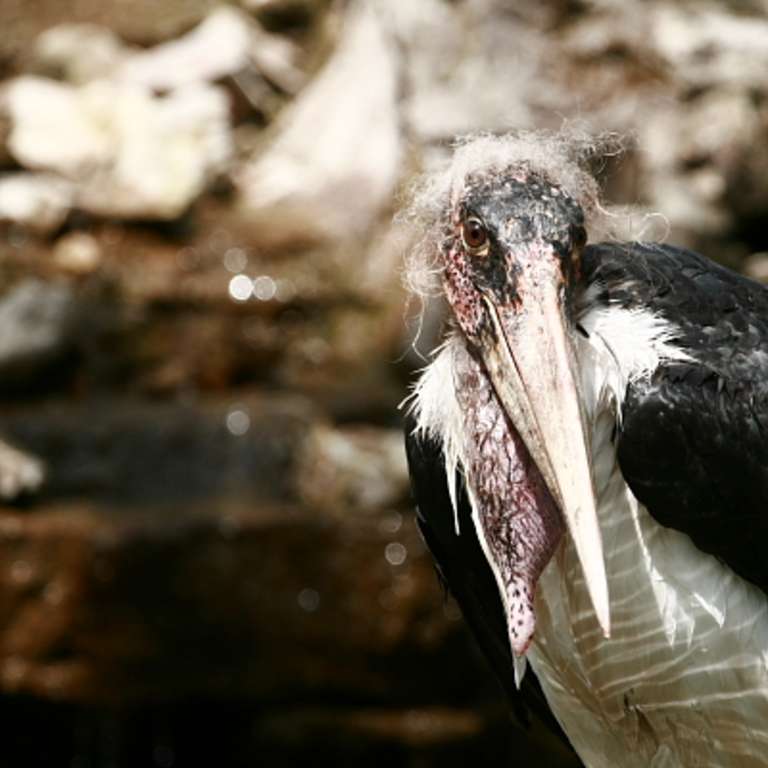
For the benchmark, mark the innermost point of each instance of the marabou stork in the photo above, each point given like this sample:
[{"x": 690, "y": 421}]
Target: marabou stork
[{"x": 588, "y": 450}]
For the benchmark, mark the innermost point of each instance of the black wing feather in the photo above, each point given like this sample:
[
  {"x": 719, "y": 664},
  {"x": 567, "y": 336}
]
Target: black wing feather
[
  {"x": 463, "y": 568},
  {"x": 693, "y": 445}
]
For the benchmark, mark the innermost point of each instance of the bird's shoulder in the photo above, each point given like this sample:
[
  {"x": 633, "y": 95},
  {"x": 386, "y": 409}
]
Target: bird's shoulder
[
  {"x": 697, "y": 294},
  {"x": 693, "y": 441}
]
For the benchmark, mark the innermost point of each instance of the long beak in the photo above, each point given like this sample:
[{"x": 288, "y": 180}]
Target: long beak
[{"x": 531, "y": 364}]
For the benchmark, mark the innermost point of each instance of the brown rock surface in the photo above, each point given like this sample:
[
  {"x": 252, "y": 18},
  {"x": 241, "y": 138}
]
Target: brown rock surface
[{"x": 174, "y": 557}]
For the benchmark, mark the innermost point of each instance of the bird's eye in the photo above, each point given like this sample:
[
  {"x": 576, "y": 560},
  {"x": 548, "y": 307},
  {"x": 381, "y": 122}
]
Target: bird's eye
[{"x": 474, "y": 234}]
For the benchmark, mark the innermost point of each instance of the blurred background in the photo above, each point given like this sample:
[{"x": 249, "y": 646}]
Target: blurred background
[{"x": 207, "y": 548}]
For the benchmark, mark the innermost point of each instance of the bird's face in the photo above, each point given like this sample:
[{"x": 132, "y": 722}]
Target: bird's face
[
  {"x": 507, "y": 234},
  {"x": 511, "y": 264}
]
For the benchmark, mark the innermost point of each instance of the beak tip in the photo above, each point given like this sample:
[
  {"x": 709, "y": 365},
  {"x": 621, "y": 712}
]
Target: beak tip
[
  {"x": 604, "y": 619},
  {"x": 589, "y": 549}
]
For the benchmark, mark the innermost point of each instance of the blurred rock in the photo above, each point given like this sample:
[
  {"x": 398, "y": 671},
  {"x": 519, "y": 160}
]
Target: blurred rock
[
  {"x": 706, "y": 165},
  {"x": 358, "y": 468},
  {"x": 52, "y": 125},
  {"x": 756, "y": 267},
  {"x": 227, "y": 45},
  {"x": 77, "y": 253},
  {"x": 420, "y": 728},
  {"x": 463, "y": 71},
  {"x": 237, "y": 603},
  {"x": 39, "y": 202},
  {"x": 78, "y": 53},
  {"x": 171, "y": 541},
  {"x": 35, "y": 327},
  {"x": 335, "y": 158},
  {"x": 195, "y": 537},
  {"x": 198, "y": 457},
  {"x": 690, "y": 157},
  {"x": 5, "y": 133},
  {"x": 144, "y": 22},
  {"x": 280, "y": 6},
  {"x": 709, "y": 47},
  {"x": 276, "y": 59},
  {"x": 131, "y": 155},
  {"x": 285, "y": 13},
  {"x": 220, "y": 46},
  {"x": 20, "y": 473},
  {"x": 162, "y": 315}
]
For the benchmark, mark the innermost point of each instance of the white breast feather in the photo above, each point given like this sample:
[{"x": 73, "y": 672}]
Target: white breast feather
[{"x": 683, "y": 680}]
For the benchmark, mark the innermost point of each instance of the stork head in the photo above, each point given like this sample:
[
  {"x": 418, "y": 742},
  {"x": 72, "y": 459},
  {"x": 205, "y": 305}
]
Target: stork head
[
  {"x": 509, "y": 253},
  {"x": 513, "y": 236}
]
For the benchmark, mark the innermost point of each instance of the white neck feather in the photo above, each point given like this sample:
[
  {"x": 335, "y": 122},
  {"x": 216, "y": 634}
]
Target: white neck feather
[
  {"x": 623, "y": 347},
  {"x": 626, "y": 346}
]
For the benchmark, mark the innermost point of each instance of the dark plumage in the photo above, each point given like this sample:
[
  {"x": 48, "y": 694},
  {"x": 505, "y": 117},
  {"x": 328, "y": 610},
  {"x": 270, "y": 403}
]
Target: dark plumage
[{"x": 693, "y": 444}]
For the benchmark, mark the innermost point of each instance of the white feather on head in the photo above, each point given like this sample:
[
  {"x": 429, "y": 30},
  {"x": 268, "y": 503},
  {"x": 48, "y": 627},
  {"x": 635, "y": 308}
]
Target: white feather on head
[{"x": 560, "y": 156}]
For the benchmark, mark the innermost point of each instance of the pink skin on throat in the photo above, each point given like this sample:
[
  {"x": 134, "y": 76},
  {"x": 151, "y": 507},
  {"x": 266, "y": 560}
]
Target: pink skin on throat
[{"x": 519, "y": 521}]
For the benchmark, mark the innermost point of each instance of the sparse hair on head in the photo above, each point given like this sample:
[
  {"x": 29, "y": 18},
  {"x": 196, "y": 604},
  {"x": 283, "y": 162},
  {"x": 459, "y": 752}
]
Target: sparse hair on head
[{"x": 559, "y": 156}]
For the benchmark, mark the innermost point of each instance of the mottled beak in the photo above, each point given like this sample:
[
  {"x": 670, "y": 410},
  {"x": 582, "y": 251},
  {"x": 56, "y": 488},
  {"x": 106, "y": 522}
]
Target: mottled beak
[{"x": 528, "y": 350}]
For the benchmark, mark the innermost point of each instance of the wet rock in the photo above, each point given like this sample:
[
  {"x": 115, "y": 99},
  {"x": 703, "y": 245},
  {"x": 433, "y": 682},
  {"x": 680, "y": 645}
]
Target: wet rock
[
  {"x": 171, "y": 556},
  {"x": 422, "y": 727},
  {"x": 439, "y": 736},
  {"x": 213, "y": 731},
  {"x": 359, "y": 468},
  {"x": 240, "y": 451},
  {"x": 35, "y": 327},
  {"x": 39, "y": 202},
  {"x": 334, "y": 161},
  {"x": 165, "y": 315},
  {"x": 131, "y": 155},
  {"x": 97, "y": 606}
]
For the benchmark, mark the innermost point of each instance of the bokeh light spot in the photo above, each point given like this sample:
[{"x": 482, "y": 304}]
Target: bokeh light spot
[
  {"x": 264, "y": 288},
  {"x": 308, "y": 600},
  {"x": 395, "y": 553},
  {"x": 240, "y": 288},
  {"x": 235, "y": 260},
  {"x": 238, "y": 421}
]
